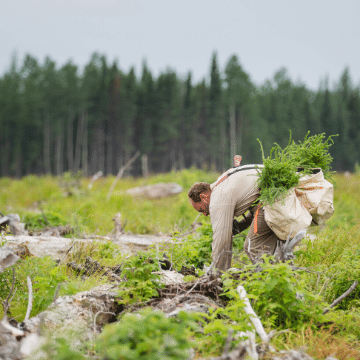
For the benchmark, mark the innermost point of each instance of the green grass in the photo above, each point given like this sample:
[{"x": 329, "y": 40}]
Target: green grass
[
  {"x": 334, "y": 257},
  {"x": 88, "y": 210}
]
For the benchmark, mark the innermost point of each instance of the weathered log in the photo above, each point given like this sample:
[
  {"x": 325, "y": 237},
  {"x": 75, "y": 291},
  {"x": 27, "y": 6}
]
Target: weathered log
[
  {"x": 84, "y": 313},
  {"x": 7, "y": 258},
  {"x": 57, "y": 247},
  {"x": 193, "y": 303},
  {"x": 13, "y": 222},
  {"x": 9, "y": 346},
  {"x": 284, "y": 251},
  {"x": 155, "y": 191},
  {"x": 169, "y": 277}
]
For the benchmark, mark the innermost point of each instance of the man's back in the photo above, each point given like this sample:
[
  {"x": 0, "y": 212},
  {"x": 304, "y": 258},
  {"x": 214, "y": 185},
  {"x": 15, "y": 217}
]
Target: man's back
[{"x": 230, "y": 197}]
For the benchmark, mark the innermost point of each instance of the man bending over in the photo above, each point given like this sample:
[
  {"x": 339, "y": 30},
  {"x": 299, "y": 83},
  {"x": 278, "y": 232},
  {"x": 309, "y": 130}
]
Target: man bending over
[{"x": 232, "y": 195}]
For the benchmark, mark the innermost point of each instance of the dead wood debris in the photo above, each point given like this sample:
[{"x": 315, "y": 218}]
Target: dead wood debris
[
  {"x": 52, "y": 231},
  {"x": 202, "y": 286},
  {"x": 342, "y": 297},
  {"x": 12, "y": 223},
  {"x": 7, "y": 258},
  {"x": 244, "y": 352},
  {"x": 92, "y": 266}
]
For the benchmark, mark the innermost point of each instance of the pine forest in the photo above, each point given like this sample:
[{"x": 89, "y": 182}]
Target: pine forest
[{"x": 60, "y": 119}]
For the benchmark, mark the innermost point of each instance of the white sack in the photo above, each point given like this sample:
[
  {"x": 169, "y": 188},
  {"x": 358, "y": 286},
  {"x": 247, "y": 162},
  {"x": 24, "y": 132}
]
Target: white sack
[
  {"x": 311, "y": 199},
  {"x": 287, "y": 215},
  {"x": 317, "y": 195}
]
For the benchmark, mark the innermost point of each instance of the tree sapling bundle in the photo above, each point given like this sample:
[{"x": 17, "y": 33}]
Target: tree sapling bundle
[{"x": 284, "y": 167}]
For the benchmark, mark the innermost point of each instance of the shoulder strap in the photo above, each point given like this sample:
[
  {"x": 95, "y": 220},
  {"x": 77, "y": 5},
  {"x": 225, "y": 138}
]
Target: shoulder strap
[{"x": 237, "y": 169}]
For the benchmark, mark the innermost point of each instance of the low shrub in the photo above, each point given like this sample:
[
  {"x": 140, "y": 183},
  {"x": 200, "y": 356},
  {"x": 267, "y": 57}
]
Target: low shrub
[
  {"x": 278, "y": 294},
  {"x": 343, "y": 274},
  {"x": 147, "y": 335},
  {"x": 141, "y": 283},
  {"x": 35, "y": 221}
]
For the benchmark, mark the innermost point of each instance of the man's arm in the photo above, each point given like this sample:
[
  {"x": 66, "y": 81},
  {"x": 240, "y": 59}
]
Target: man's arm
[{"x": 240, "y": 226}]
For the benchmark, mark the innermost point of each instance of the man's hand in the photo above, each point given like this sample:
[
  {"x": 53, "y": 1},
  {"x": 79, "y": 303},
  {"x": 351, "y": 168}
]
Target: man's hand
[{"x": 239, "y": 226}]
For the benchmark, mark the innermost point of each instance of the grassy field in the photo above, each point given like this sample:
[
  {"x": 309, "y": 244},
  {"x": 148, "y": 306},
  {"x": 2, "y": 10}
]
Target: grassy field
[
  {"x": 333, "y": 259},
  {"x": 68, "y": 200}
]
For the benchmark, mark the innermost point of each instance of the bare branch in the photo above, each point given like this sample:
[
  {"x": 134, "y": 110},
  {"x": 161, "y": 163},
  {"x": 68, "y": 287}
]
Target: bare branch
[
  {"x": 101, "y": 312},
  {"x": 94, "y": 178},
  {"x": 342, "y": 297},
  {"x": 67, "y": 251},
  {"x": 56, "y": 294},
  {"x": 7, "y": 302},
  {"x": 28, "y": 311},
  {"x": 120, "y": 174},
  {"x": 228, "y": 342},
  {"x": 253, "y": 317},
  {"x": 288, "y": 247}
]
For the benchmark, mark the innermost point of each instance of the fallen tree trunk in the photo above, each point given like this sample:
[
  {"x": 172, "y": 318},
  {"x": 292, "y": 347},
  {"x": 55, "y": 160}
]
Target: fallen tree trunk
[
  {"x": 84, "y": 313},
  {"x": 57, "y": 247}
]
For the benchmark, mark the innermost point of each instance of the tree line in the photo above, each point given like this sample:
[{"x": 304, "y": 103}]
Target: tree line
[{"x": 60, "y": 119}]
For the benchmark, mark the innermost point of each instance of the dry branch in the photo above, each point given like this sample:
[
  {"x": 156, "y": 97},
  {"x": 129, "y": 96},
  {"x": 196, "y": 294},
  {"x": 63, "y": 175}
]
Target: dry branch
[
  {"x": 94, "y": 178},
  {"x": 119, "y": 227},
  {"x": 342, "y": 297},
  {"x": 7, "y": 302},
  {"x": 120, "y": 173},
  {"x": 28, "y": 311},
  {"x": 253, "y": 317}
]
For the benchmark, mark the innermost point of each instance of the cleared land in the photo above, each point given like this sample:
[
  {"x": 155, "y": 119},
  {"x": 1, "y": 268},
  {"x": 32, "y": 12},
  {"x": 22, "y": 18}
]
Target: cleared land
[{"x": 332, "y": 259}]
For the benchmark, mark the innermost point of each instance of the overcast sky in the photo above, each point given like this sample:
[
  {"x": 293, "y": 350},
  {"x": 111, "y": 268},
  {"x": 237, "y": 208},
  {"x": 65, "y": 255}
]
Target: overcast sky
[{"x": 311, "y": 38}]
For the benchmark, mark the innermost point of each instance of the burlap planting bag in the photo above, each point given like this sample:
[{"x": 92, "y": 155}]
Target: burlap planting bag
[
  {"x": 317, "y": 195},
  {"x": 287, "y": 215},
  {"x": 311, "y": 200}
]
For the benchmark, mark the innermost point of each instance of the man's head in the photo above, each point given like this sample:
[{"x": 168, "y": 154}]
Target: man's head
[{"x": 199, "y": 195}]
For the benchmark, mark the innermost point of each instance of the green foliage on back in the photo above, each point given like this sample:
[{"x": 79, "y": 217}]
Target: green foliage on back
[
  {"x": 313, "y": 152},
  {"x": 279, "y": 173},
  {"x": 277, "y": 176}
]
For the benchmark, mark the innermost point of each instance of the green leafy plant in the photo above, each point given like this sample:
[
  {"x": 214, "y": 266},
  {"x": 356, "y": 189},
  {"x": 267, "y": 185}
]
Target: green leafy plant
[
  {"x": 195, "y": 250},
  {"x": 141, "y": 283},
  {"x": 60, "y": 349},
  {"x": 220, "y": 320},
  {"x": 344, "y": 276},
  {"x": 147, "y": 335},
  {"x": 45, "y": 286},
  {"x": 277, "y": 176},
  {"x": 39, "y": 221},
  {"x": 279, "y": 295}
]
